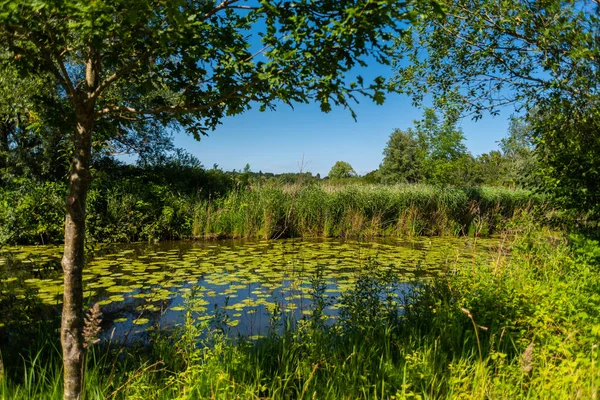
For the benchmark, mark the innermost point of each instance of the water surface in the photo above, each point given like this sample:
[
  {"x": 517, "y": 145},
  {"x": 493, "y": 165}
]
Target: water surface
[{"x": 152, "y": 286}]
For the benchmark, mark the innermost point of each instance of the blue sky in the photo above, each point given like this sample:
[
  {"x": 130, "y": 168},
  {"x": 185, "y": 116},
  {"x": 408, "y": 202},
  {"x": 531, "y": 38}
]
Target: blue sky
[{"x": 276, "y": 141}]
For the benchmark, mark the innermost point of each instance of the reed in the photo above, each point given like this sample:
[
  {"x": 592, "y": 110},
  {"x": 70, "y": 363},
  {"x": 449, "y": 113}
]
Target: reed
[{"x": 360, "y": 211}]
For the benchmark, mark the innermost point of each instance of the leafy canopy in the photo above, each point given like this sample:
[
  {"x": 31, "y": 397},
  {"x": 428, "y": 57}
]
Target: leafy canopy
[
  {"x": 482, "y": 55},
  {"x": 194, "y": 62}
]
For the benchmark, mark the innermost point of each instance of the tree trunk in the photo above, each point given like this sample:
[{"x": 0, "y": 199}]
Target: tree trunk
[{"x": 73, "y": 258}]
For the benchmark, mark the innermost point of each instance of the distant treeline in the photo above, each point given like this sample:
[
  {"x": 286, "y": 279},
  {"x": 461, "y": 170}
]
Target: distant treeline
[{"x": 433, "y": 151}]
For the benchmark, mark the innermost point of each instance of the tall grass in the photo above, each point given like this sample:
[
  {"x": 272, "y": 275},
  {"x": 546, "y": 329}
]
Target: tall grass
[{"x": 375, "y": 210}]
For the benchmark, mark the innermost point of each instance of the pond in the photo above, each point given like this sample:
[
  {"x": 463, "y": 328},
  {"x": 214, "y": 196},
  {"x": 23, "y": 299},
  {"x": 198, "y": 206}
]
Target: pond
[{"x": 148, "y": 286}]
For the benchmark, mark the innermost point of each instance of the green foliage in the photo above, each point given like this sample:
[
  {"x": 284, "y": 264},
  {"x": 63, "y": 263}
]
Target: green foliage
[
  {"x": 567, "y": 143},
  {"x": 31, "y": 212},
  {"x": 540, "y": 57},
  {"x": 341, "y": 170},
  {"x": 403, "y": 159},
  {"x": 372, "y": 177},
  {"x": 432, "y": 152},
  {"x": 31, "y": 143}
]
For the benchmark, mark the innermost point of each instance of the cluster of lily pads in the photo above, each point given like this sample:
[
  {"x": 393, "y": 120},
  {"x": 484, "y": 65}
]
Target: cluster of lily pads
[{"x": 144, "y": 285}]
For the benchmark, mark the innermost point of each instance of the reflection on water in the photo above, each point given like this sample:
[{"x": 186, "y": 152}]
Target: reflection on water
[{"x": 141, "y": 286}]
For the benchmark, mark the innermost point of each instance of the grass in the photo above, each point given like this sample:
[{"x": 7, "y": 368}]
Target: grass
[
  {"x": 359, "y": 210},
  {"x": 524, "y": 326}
]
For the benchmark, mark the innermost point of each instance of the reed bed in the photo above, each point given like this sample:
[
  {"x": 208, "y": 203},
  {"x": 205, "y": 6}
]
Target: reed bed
[
  {"x": 359, "y": 210},
  {"x": 137, "y": 212}
]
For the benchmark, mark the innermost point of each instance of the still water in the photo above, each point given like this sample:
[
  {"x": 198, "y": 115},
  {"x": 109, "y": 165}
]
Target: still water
[{"x": 141, "y": 287}]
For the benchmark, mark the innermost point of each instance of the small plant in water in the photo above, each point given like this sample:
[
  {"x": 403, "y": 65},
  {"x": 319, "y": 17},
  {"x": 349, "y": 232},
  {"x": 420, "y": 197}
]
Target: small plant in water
[{"x": 191, "y": 331}]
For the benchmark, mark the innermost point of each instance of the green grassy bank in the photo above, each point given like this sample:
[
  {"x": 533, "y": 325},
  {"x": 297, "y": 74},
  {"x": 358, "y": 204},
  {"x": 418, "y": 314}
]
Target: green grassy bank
[{"x": 524, "y": 326}]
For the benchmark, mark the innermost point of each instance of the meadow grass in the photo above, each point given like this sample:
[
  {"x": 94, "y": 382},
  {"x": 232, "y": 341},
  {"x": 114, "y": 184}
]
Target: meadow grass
[{"x": 525, "y": 326}]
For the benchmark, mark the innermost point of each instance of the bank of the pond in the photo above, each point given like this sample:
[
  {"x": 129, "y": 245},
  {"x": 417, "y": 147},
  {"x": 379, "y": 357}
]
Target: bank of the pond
[
  {"x": 133, "y": 211},
  {"x": 526, "y": 325}
]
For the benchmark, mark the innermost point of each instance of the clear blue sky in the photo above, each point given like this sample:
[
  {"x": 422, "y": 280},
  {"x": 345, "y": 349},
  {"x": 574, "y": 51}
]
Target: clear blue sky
[{"x": 276, "y": 141}]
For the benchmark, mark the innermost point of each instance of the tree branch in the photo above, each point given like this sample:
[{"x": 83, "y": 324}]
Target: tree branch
[
  {"x": 223, "y": 5},
  {"x": 70, "y": 88},
  {"x": 120, "y": 73},
  {"x": 180, "y": 108},
  {"x": 18, "y": 32}
]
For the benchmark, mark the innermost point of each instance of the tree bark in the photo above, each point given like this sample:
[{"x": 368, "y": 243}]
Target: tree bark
[{"x": 73, "y": 258}]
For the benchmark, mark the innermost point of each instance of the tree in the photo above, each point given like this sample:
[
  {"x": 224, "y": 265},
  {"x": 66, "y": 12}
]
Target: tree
[
  {"x": 518, "y": 151},
  {"x": 432, "y": 151},
  {"x": 403, "y": 158},
  {"x": 341, "y": 170},
  {"x": 490, "y": 169},
  {"x": 440, "y": 138},
  {"x": 443, "y": 145},
  {"x": 188, "y": 64},
  {"x": 542, "y": 57}
]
